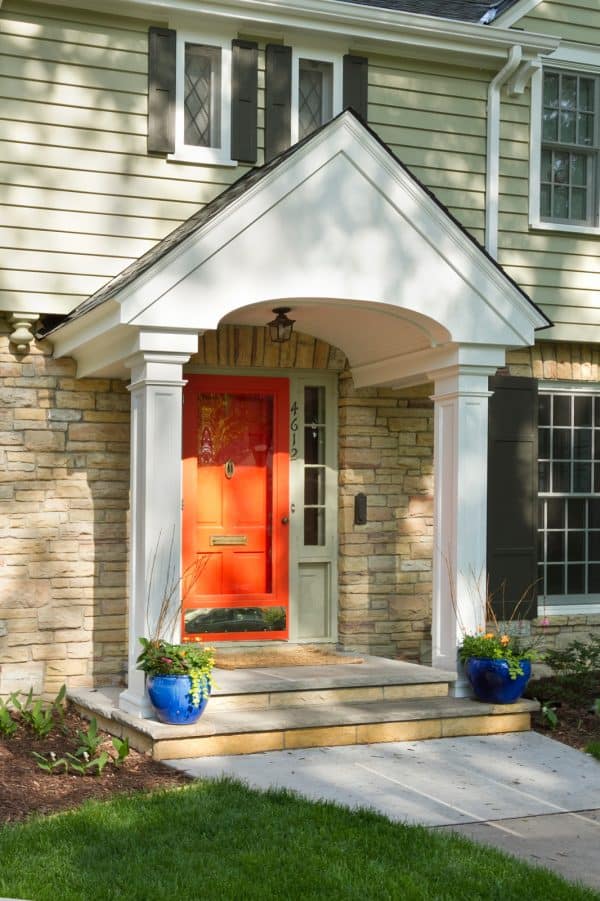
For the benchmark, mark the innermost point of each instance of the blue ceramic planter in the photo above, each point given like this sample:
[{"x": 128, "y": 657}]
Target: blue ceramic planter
[
  {"x": 171, "y": 697},
  {"x": 491, "y": 682}
]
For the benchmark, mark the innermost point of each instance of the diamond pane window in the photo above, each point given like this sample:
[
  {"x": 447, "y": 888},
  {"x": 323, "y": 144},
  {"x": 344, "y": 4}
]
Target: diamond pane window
[
  {"x": 570, "y": 148},
  {"x": 315, "y": 85},
  {"x": 201, "y": 97}
]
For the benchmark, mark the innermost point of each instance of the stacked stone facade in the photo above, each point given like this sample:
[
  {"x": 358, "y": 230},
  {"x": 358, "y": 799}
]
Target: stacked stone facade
[
  {"x": 64, "y": 498},
  {"x": 386, "y": 452}
]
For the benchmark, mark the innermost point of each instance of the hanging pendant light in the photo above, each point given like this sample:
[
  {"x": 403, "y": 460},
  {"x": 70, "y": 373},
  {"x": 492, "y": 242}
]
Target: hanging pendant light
[{"x": 280, "y": 328}]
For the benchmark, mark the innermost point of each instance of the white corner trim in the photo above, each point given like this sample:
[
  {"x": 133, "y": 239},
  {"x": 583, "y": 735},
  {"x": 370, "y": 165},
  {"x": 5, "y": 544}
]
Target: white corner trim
[{"x": 512, "y": 15}]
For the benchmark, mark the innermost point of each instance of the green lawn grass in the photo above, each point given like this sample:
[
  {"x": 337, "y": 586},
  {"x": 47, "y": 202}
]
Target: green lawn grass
[{"x": 221, "y": 840}]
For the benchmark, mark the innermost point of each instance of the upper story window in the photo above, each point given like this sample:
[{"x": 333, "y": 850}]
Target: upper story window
[
  {"x": 203, "y": 100},
  {"x": 316, "y": 91},
  {"x": 570, "y": 149},
  {"x": 203, "y": 95}
]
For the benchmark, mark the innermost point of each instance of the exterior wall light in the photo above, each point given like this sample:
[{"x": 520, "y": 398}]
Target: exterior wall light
[{"x": 280, "y": 328}]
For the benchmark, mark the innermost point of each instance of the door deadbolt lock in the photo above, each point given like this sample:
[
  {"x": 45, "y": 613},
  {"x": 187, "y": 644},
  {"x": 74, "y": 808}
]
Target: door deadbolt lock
[
  {"x": 285, "y": 520},
  {"x": 229, "y": 469}
]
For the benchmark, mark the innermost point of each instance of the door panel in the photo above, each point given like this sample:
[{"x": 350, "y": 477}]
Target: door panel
[{"x": 235, "y": 540}]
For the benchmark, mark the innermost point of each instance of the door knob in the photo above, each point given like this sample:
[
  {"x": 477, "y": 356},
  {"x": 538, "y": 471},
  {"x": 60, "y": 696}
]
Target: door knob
[{"x": 285, "y": 520}]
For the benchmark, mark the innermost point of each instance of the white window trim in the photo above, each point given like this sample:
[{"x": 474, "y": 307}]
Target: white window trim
[
  {"x": 321, "y": 56},
  {"x": 554, "y": 605},
  {"x": 581, "y": 64},
  {"x": 186, "y": 153}
]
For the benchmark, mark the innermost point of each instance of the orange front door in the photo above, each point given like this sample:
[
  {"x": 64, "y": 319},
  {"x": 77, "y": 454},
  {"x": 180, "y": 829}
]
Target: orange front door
[{"x": 236, "y": 508}]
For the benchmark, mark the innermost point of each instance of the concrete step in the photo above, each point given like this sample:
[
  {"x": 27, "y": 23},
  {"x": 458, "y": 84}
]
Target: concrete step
[{"x": 250, "y": 730}]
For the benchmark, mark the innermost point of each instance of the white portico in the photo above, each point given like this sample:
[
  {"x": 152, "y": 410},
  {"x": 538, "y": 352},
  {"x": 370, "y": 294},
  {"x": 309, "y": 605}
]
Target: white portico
[{"x": 338, "y": 230}]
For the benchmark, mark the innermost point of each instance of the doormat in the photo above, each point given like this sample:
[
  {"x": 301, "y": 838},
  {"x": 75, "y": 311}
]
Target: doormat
[{"x": 298, "y": 656}]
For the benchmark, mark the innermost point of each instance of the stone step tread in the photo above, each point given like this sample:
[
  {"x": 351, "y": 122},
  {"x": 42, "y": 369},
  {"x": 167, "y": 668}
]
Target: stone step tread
[
  {"x": 374, "y": 671},
  {"x": 239, "y": 721}
]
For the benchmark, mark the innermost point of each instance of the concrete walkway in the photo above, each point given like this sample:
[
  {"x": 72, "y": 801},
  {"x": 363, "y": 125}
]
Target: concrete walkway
[{"x": 521, "y": 792}]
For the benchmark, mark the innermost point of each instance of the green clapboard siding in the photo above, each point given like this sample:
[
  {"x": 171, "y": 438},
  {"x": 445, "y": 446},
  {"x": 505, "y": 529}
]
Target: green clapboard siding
[{"x": 560, "y": 270}]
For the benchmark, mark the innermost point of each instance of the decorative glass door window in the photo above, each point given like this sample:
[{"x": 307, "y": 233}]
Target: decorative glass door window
[
  {"x": 570, "y": 148},
  {"x": 569, "y": 497},
  {"x": 202, "y": 95},
  {"x": 315, "y": 95},
  {"x": 314, "y": 466}
]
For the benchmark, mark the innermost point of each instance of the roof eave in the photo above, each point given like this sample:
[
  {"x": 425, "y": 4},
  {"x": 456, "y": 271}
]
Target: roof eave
[{"x": 364, "y": 25}]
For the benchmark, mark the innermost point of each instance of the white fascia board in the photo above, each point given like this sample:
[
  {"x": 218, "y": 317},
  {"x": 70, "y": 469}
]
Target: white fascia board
[
  {"x": 511, "y": 317},
  {"x": 471, "y": 42},
  {"x": 512, "y": 15},
  {"x": 70, "y": 336}
]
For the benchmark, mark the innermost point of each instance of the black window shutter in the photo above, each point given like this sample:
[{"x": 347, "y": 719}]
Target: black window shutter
[
  {"x": 244, "y": 68},
  {"x": 161, "y": 90},
  {"x": 512, "y": 496},
  {"x": 356, "y": 71},
  {"x": 278, "y": 98}
]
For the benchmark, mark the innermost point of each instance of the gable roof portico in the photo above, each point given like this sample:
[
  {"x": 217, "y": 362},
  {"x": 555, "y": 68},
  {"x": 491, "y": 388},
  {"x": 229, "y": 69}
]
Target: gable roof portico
[{"x": 340, "y": 231}]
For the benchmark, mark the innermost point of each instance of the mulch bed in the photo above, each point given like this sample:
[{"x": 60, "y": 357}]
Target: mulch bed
[
  {"x": 26, "y": 789},
  {"x": 572, "y": 698}
]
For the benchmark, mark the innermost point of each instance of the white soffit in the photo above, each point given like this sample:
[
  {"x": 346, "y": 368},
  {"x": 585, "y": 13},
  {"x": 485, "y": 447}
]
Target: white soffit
[{"x": 371, "y": 262}]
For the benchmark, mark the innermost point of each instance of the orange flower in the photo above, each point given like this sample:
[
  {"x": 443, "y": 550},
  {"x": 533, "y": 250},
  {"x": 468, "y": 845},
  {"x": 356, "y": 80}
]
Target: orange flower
[
  {"x": 489, "y": 635},
  {"x": 505, "y": 640}
]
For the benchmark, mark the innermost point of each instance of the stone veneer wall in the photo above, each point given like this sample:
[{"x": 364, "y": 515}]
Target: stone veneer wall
[
  {"x": 64, "y": 494},
  {"x": 64, "y": 497},
  {"x": 386, "y": 451},
  {"x": 386, "y": 447},
  {"x": 569, "y": 363}
]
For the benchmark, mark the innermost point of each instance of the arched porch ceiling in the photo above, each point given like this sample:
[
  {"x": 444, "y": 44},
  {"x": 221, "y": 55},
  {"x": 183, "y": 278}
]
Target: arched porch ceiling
[{"x": 338, "y": 230}]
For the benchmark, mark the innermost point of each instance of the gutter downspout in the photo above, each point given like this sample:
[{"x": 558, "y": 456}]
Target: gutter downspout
[{"x": 492, "y": 179}]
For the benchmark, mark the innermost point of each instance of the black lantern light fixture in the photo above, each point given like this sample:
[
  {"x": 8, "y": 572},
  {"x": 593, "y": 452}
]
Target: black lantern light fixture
[{"x": 280, "y": 328}]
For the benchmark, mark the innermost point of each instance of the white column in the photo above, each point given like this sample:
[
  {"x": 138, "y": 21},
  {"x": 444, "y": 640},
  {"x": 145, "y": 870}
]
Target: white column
[
  {"x": 156, "y": 498},
  {"x": 460, "y": 489}
]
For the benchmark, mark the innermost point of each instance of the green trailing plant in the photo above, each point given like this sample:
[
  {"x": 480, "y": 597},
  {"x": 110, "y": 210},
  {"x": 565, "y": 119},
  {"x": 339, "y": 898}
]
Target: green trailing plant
[{"x": 160, "y": 658}]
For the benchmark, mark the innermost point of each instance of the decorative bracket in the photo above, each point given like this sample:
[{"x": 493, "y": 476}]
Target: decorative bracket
[{"x": 22, "y": 334}]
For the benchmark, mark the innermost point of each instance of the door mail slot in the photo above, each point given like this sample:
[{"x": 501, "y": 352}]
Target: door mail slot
[{"x": 228, "y": 540}]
